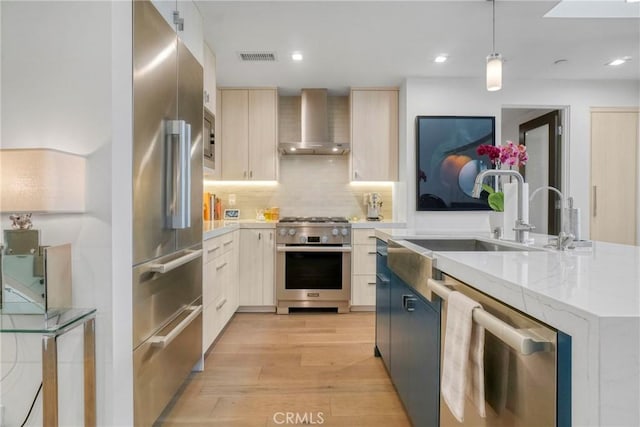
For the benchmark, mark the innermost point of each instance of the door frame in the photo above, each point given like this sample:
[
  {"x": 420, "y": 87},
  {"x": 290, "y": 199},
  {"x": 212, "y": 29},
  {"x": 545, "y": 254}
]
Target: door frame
[{"x": 554, "y": 168}]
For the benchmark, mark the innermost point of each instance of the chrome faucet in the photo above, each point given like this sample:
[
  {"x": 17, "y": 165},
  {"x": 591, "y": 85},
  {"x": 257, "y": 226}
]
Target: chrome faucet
[
  {"x": 565, "y": 238},
  {"x": 520, "y": 227}
]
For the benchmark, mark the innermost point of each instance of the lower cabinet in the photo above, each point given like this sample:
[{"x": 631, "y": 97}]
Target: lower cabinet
[
  {"x": 257, "y": 269},
  {"x": 220, "y": 285},
  {"x": 413, "y": 350},
  {"x": 363, "y": 269},
  {"x": 383, "y": 299}
]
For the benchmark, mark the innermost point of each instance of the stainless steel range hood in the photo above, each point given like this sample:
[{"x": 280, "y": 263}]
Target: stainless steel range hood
[{"x": 314, "y": 129}]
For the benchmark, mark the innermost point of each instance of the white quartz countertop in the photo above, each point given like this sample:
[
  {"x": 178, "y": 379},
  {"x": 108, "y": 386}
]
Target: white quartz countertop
[
  {"x": 603, "y": 281},
  {"x": 213, "y": 229}
]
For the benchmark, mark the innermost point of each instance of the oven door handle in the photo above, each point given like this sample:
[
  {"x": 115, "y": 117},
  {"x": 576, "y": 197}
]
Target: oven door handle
[{"x": 284, "y": 248}]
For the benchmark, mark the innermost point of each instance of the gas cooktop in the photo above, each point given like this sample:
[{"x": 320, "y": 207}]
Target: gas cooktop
[{"x": 314, "y": 219}]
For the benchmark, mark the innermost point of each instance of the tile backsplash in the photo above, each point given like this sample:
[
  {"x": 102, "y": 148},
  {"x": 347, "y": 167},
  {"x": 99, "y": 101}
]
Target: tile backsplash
[{"x": 308, "y": 186}]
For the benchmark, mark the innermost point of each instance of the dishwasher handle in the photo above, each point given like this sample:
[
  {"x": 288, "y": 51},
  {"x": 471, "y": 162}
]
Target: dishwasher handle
[{"x": 517, "y": 339}]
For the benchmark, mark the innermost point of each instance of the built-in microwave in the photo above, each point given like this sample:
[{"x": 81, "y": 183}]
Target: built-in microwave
[{"x": 209, "y": 140}]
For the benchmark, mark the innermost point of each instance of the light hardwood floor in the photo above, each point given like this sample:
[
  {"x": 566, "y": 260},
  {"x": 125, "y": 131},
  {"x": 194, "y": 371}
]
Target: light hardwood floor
[{"x": 265, "y": 365}]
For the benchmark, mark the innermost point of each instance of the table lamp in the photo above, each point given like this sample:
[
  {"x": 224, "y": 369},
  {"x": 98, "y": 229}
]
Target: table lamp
[{"x": 35, "y": 181}]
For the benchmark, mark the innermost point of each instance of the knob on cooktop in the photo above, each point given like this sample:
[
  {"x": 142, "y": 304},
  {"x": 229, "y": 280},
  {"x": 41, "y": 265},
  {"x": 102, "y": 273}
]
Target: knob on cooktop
[
  {"x": 335, "y": 232},
  {"x": 292, "y": 231},
  {"x": 283, "y": 232},
  {"x": 344, "y": 231}
]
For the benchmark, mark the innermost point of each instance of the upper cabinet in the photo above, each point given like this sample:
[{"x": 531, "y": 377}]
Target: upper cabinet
[
  {"x": 374, "y": 134},
  {"x": 190, "y": 31},
  {"x": 209, "y": 80},
  {"x": 248, "y": 133}
]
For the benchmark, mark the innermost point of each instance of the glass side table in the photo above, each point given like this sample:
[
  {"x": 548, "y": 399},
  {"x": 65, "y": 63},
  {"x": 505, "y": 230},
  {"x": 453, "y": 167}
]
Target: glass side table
[{"x": 51, "y": 325}]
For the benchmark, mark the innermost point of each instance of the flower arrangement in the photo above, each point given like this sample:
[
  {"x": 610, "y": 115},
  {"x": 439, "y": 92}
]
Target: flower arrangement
[{"x": 508, "y": 155}]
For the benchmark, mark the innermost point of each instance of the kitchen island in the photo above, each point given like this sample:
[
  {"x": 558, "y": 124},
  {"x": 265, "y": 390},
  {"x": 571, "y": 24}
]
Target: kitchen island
[{"x": 592, "y": 295}]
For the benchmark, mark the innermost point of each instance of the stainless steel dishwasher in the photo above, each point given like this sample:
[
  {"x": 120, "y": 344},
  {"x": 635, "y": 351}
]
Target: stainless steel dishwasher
[{"x": 520, "y": 377}]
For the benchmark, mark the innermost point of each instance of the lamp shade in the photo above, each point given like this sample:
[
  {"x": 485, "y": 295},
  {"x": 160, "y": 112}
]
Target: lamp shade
[
  {"x": 494, "y": 72},
  {"x": 41, "y": 180}
]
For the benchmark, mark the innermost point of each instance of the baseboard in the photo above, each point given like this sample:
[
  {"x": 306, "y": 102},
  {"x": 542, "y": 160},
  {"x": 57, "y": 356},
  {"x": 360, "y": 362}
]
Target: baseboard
[
  {"x": 256, "y": 309},
  {"x": 363, "y": 308}
]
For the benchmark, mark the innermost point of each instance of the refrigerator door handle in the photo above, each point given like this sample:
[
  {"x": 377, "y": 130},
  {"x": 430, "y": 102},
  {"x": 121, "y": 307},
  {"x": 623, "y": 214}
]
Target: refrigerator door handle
[
  {"x": 173, "y": 264},
  {"x": 178, "y": 174}
]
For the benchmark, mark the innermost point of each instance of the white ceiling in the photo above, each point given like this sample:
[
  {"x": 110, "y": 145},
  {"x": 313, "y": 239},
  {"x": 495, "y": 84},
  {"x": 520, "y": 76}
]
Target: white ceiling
[{"x": 379, "y": 43}]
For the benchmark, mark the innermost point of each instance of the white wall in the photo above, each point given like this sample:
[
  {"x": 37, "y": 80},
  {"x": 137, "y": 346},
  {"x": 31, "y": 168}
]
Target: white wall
[
  {"x": 61, "y": 88},
  {"x": 469, "y": 97}
]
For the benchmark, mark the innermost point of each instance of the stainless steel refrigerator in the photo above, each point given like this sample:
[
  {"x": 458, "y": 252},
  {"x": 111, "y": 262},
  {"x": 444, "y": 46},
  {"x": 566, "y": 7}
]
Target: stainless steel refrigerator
[{"x": 167, "y": 219}]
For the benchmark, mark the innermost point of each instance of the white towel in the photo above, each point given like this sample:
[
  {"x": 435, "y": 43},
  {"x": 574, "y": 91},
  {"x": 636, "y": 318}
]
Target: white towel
[{"x": 463, "y": 361}]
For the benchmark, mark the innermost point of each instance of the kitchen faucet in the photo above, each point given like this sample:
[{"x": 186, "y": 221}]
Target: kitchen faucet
[
  {"x": 565, "y": 239},
  {"x": 520, "y": 227}
]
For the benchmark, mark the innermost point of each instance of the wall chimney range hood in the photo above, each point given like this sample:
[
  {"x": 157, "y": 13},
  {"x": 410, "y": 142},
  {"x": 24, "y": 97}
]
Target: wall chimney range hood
[{"x": 314, "y": 127}]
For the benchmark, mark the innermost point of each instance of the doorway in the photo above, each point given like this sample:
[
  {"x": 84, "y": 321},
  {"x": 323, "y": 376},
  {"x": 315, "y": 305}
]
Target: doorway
[
  {"x": 542, "y": 136},
  {"x": 540, "y": 130}
]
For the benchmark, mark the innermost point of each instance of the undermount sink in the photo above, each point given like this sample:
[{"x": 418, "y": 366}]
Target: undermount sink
[{"x": 467, "y": 245}]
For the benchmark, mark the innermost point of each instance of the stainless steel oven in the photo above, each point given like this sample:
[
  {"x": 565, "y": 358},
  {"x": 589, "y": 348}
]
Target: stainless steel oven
[{"x": 313, "y": 264}]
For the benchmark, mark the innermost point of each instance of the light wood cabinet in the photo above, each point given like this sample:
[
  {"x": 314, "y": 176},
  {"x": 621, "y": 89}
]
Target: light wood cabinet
[
  {"x": 220, "y": 285},
  {"x": 257, "y": 269},
  {"x": 363, "y": 269},
  {"x": 248, "y": 134},
  {"x": 209, "y": 94},
  {"x": 374, "y": 134},
  {"x": 614, "y": 172}
]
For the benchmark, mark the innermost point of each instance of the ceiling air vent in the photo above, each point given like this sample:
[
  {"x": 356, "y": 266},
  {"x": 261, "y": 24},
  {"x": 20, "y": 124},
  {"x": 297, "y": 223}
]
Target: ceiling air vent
[{"x": 257, "y": 56}]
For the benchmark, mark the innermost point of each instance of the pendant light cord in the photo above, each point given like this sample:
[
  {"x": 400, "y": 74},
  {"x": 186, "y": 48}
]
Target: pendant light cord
[{"x": 493, "y": 2}]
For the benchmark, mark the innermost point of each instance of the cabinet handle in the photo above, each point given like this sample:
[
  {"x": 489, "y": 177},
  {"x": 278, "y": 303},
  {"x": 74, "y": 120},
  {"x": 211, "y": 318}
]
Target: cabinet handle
[
  {"x": 371, "y": 237},
  {"x": 228, "y": 243},
  {"x": 250, "y": 174},
  {"x": 371, "y": 283},
  {"x": 595, "y": 200},
  {"x": 408, "y": 302},
  {"x": 372, "y": 253},
  {"x": 223, "y": 302},
  {"x": 383, "y": 279},
  {"x": 213, "y": 250},
  {"x": 220, "y": 267},
  {"x": 259, "y": 236},
  {"x": 244, "y": 174},
  {"x": 271, "y": 236},
  {"x": 355, "y": 175}
]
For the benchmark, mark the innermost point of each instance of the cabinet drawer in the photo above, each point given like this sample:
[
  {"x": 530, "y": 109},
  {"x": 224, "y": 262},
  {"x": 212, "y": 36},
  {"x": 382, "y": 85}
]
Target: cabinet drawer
[
  {"x": 364, "y": 236},
  {"x": 363, "y": 290},
  {"x": 217, "y": 246},
  {"x": 228, "y": 242},
  {"x": 212, "y": 248},
  {"x": 216, "y": 275},
  {"x": 364, "y": 259}
]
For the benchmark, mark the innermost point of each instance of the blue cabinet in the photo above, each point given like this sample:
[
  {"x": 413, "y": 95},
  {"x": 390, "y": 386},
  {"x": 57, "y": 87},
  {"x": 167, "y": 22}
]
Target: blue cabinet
[
  {"x": 383, "y": 299},
  {"x": 408, "y": 339}
]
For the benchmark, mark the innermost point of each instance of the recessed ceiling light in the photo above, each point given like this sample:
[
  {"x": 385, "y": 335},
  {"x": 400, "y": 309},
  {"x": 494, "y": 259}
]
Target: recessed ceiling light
[
  {"x": 293, "y": 149},
  {"x": 618, "y": 61},
  {"x": 296, "y": 56},
  {"x": 334, "y": 149},
  {"x": 440, "y": 59}
]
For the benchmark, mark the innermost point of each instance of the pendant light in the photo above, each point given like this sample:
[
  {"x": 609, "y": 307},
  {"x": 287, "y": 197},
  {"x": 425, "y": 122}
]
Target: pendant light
[{"x": 494, "y": 61}]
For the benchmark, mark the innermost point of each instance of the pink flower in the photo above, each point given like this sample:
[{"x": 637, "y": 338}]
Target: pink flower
[{"x": 508, "y": 154}]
